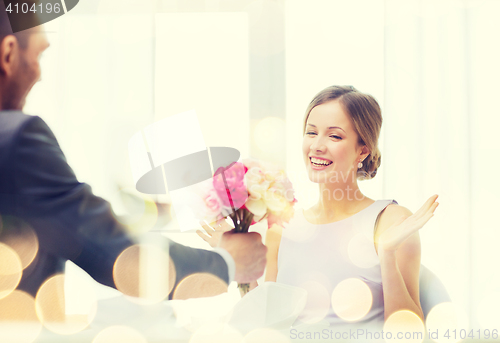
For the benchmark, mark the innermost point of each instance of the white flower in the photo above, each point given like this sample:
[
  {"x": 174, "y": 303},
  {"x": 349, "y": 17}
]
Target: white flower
[
  {"x": 256, "y": 183},
  {"x": 257, "y": 207},
  {"x": 274, "y": 201}
]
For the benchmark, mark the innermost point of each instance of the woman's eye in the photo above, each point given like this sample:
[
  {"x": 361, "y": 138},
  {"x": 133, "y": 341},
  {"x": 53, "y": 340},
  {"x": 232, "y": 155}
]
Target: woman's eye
[
  {"x": 336, "y": 137},
  {"x": 310, "y": 133}
]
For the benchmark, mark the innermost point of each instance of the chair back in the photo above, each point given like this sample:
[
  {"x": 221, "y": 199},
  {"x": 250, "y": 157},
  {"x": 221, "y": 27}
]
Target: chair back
[{"x": 432, "y": 291}]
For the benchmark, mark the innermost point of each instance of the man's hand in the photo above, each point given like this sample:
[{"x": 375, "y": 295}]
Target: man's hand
[{"x": 248, "y": 252}]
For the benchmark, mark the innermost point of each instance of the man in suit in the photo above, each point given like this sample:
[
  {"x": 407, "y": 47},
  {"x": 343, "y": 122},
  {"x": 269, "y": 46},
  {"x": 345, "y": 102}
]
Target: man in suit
[{"x": 38, "y": 188}]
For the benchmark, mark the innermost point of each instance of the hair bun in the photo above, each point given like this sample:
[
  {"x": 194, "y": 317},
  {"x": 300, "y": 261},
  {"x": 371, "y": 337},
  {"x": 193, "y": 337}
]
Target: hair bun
[{"x": 370, "y": 166}]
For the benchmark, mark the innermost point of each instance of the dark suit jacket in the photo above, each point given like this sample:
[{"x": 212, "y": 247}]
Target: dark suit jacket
[{"x": 38, "y": 187}]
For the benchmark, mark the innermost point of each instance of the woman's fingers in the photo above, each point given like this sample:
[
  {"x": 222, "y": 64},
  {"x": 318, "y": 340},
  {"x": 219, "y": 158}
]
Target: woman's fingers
[
  {"x": 225, "y": 226},
  {"x": 430, "y": 211},
  {"x": 426, "y": 206},
  {"x": 220, "y": 221},
  {"x": 202, "y": 235},
  {"x": 208, "y": 228},
  {"x": 209, "y": 231},
  {"x": 420, "y": 222},
  {"x": 404, "y": 227},
  {"x": 213, "y": 232}
]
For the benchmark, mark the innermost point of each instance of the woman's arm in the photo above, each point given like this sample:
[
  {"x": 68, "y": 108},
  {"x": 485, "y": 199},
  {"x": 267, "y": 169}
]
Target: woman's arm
[
  {"x": 400, "y": 267},
  {"x": 273, "y": 239}
]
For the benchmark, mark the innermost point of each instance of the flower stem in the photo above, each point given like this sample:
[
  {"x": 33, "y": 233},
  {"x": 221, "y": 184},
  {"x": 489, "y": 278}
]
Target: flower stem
[{"x": 244, "y": 288}]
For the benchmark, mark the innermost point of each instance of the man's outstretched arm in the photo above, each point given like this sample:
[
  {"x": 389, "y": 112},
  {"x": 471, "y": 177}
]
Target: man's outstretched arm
[{"x": 70, "y": 221}]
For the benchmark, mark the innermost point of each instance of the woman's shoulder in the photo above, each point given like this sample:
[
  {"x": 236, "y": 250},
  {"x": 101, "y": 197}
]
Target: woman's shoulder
[
  {"x": 394, "y": 211},
  {"x": 390, "y": 214}
]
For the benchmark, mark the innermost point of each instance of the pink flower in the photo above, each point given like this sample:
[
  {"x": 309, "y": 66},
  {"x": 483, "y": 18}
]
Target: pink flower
[
  {"x": 204, "y": 202},
  {"x": 212, "y": 203},
  {"x": 232, "y": 192}
]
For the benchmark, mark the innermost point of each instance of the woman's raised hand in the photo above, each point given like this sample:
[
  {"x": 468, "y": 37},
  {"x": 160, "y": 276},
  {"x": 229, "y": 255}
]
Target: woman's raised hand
[
  {"x": 214, "y": 231},
  {"x": 392, "y": 238}
]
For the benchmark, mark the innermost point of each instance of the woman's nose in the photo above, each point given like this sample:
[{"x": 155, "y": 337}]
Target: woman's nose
[{"x": 318, "y": 145}]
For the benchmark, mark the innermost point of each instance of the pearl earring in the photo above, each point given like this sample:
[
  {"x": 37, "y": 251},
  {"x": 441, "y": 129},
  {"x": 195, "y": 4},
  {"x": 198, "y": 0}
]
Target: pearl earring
[{"x": 360, "y": 164}]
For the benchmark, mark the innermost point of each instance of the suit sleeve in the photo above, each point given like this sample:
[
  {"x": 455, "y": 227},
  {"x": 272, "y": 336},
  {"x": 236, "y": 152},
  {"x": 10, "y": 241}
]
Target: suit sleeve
[
  {"x": 189, "y": 261},
  {"x": 74, "y": 224}
]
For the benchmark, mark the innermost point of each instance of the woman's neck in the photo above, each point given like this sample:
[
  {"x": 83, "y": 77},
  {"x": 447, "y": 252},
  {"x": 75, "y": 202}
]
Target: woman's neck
[{"x": 339, "y": 200}]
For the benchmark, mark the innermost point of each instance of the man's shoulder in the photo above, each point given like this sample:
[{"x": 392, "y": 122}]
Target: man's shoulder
[{"x": 12, "y": 122}]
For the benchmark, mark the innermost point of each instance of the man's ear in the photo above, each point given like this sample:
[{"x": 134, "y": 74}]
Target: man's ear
[{"x": 9, "y": 50}]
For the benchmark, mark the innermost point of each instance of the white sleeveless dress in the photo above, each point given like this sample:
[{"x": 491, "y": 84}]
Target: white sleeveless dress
[{"x": 336, "y": 259}]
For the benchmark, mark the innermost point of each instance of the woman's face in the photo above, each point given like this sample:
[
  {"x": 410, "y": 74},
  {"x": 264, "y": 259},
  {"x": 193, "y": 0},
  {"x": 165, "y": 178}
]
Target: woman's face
[{"x": 330, "y": 148}]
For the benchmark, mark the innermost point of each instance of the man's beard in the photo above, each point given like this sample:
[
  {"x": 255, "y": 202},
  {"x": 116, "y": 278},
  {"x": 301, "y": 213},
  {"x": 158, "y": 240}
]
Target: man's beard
[
  {"x": 16, "y": 96},
  {"x": 13, "y": 99}
]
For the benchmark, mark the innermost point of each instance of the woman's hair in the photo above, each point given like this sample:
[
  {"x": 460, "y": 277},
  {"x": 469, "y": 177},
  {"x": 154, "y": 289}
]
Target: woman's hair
[{"x": 366, "y": 116}]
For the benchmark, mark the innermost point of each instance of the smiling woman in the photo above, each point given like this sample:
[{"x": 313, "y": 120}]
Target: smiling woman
[
  {"x": 362, "y": 125},
  {"x": 347, "y": 238}
]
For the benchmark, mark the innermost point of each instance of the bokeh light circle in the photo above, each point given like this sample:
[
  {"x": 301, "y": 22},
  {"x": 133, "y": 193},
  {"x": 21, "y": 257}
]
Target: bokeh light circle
[
  {"x": 18, "y": 320},
  {"x": 22, "y": 238},
  {"x": 119, "y": 334},
  {"x": 145, "y": 273},
  {"x": 352, "y": 299},
  {"x": 407, "y": 325},
  {"x": 317, "y": 304},
  {"x": 50, "y": 305},
  {"x": 446, "y": 316},
  {"x": 11, "y": 270},
  {"x": 199, "y": 285}
]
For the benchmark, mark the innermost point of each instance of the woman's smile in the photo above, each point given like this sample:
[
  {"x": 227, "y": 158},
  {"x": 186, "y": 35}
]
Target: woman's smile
[{"x": 318, "y": 163}]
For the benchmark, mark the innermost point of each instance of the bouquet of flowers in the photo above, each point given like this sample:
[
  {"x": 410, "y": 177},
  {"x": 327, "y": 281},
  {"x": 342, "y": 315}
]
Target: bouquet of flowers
[{"x": 247, "y": 192}]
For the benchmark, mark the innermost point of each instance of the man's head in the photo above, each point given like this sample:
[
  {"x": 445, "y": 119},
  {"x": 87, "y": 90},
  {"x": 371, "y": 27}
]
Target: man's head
[{"x": 19, "y": 62}]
